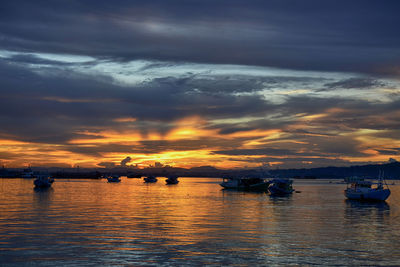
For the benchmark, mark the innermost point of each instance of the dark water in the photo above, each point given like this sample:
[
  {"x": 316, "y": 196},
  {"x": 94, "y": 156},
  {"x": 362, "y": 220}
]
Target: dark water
[{"x": 92, "y": 222}]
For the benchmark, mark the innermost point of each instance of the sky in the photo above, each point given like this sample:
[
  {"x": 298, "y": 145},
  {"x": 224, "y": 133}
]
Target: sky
[{"x": 229, "y": 84}]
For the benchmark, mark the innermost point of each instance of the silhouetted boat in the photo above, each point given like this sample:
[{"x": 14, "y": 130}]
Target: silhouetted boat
[
  {"x": 364, "y": 190},
  {"x": 245, "y": 183},
  {"x": 43, "y": 181},
  {"x": 280, "y": 187},
  {"x": 150, "y": 179},
  {"x": 113, "y": 179},
  {"x": 172, "y": 179},
  {"x": 27, "y": 173}
]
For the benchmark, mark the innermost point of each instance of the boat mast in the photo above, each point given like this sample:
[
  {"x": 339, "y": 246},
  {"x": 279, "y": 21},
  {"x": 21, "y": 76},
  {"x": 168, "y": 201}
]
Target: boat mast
[{"x": 382, "y": 180}]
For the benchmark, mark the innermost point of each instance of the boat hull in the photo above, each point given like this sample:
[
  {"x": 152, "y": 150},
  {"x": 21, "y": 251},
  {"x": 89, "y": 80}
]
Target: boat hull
[
  {"x": 371, "y": 195},
  {"x": 171, "y": 181},
  {"x": 113, "y": 180},
  {"x": 43, "y": 183},
  {"x": 280, "y": 187},
  {"x": 276, "y": 191},
  {"x": 150, "y": 180}
]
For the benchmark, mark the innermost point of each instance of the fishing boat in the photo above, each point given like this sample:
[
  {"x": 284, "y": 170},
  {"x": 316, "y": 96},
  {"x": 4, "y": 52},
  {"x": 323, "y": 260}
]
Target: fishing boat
[
  {"x": 172, "y": 179},
  {"x": 279, "y": 187},
  {"x": 113, "y": 179},
  {"x": 245, "y": 183},
  {"x": 150, "y": 179},
  {"x": 367, "y": 190},
  {"x": 43, "y": 181}
]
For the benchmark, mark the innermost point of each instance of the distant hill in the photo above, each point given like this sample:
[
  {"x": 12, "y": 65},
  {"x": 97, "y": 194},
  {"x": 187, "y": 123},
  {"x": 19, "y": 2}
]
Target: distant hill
[{"x": 390, "y": 171}]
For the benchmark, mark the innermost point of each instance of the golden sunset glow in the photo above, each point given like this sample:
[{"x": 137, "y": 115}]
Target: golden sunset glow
[{"x": 186, "y": 131}]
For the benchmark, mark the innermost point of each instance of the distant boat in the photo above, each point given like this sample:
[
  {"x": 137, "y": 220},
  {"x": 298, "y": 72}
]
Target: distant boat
[
  {"x": 367, "y": 190},
  {"x": 43, "y": 181},
  {"x": 245, "y": 183},
  {"x": 27, "y": 173},
  {"x": 280, "y": 187},
  {"x": 172, "y": 179},
  {"x": 150, "y": 179},
  {"x": 113, "y": 179}
]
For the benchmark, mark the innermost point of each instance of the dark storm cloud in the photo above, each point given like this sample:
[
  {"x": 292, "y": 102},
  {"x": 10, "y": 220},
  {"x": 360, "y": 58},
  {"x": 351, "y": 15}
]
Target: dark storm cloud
[
  {"x": 54, "y": 104},
  {"x": 350, "y": 113},
  {"x": 340, "y": 115},
  {"x": 319, "y": 35},
  {"x": 339, "y": 145}
]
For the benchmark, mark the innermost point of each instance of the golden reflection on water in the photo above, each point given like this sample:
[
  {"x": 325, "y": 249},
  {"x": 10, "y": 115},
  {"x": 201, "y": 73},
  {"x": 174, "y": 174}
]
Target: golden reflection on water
[{"x": 193, "y": 222}]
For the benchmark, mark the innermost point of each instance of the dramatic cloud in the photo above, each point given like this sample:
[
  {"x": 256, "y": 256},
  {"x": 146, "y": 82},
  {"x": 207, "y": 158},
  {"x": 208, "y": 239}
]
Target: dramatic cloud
[
  {"x": 227, "y": 84},
  {"x": 329, "y": 35}
]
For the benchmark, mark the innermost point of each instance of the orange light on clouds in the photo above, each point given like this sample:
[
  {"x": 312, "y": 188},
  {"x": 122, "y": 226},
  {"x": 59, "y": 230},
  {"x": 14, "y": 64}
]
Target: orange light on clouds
[
  {"x": 190, "y": 128},
  {"x": 105, "y": 137},
  {"x": 125, "y": 119},
  {"x": 264, "y": 137},
  {"x": 86, "y": 151}
]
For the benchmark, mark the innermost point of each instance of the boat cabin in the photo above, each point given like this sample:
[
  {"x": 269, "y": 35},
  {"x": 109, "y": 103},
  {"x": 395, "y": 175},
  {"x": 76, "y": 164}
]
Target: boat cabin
[{"x": 365, "y": 184}]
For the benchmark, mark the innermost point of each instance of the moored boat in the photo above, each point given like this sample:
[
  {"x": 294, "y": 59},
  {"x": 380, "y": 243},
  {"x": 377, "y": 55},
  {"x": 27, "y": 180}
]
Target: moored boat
[
  {"x": 245, "y": 183},
  {"x": 150, "y": 179},
  {"x": 43, "y": 181},
  {"x": 113, "y": 179},
  {"x": 172, "y": 179},
  {"x": 367, "y": 190},
  {"x": 280, "y": 187}
]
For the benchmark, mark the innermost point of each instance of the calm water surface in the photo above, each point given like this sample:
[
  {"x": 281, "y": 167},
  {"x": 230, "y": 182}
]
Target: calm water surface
[{"x": 92, "y": 222}]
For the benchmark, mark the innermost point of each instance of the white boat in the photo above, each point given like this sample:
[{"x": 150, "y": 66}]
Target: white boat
[
  {"x": 150, "y": 179},
  {"x": 113, "y": 179},
  {"x": 367, "y": 190},
  {"x": 43, "y": 181},
  {"x": 280, "y": 187},
  {"x": 245, "y": 183},
  {"x": 172, "y": 179}
]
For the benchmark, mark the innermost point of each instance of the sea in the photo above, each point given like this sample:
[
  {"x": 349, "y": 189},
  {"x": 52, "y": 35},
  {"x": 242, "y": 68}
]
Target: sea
[{"x": 84, "y": 222}]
